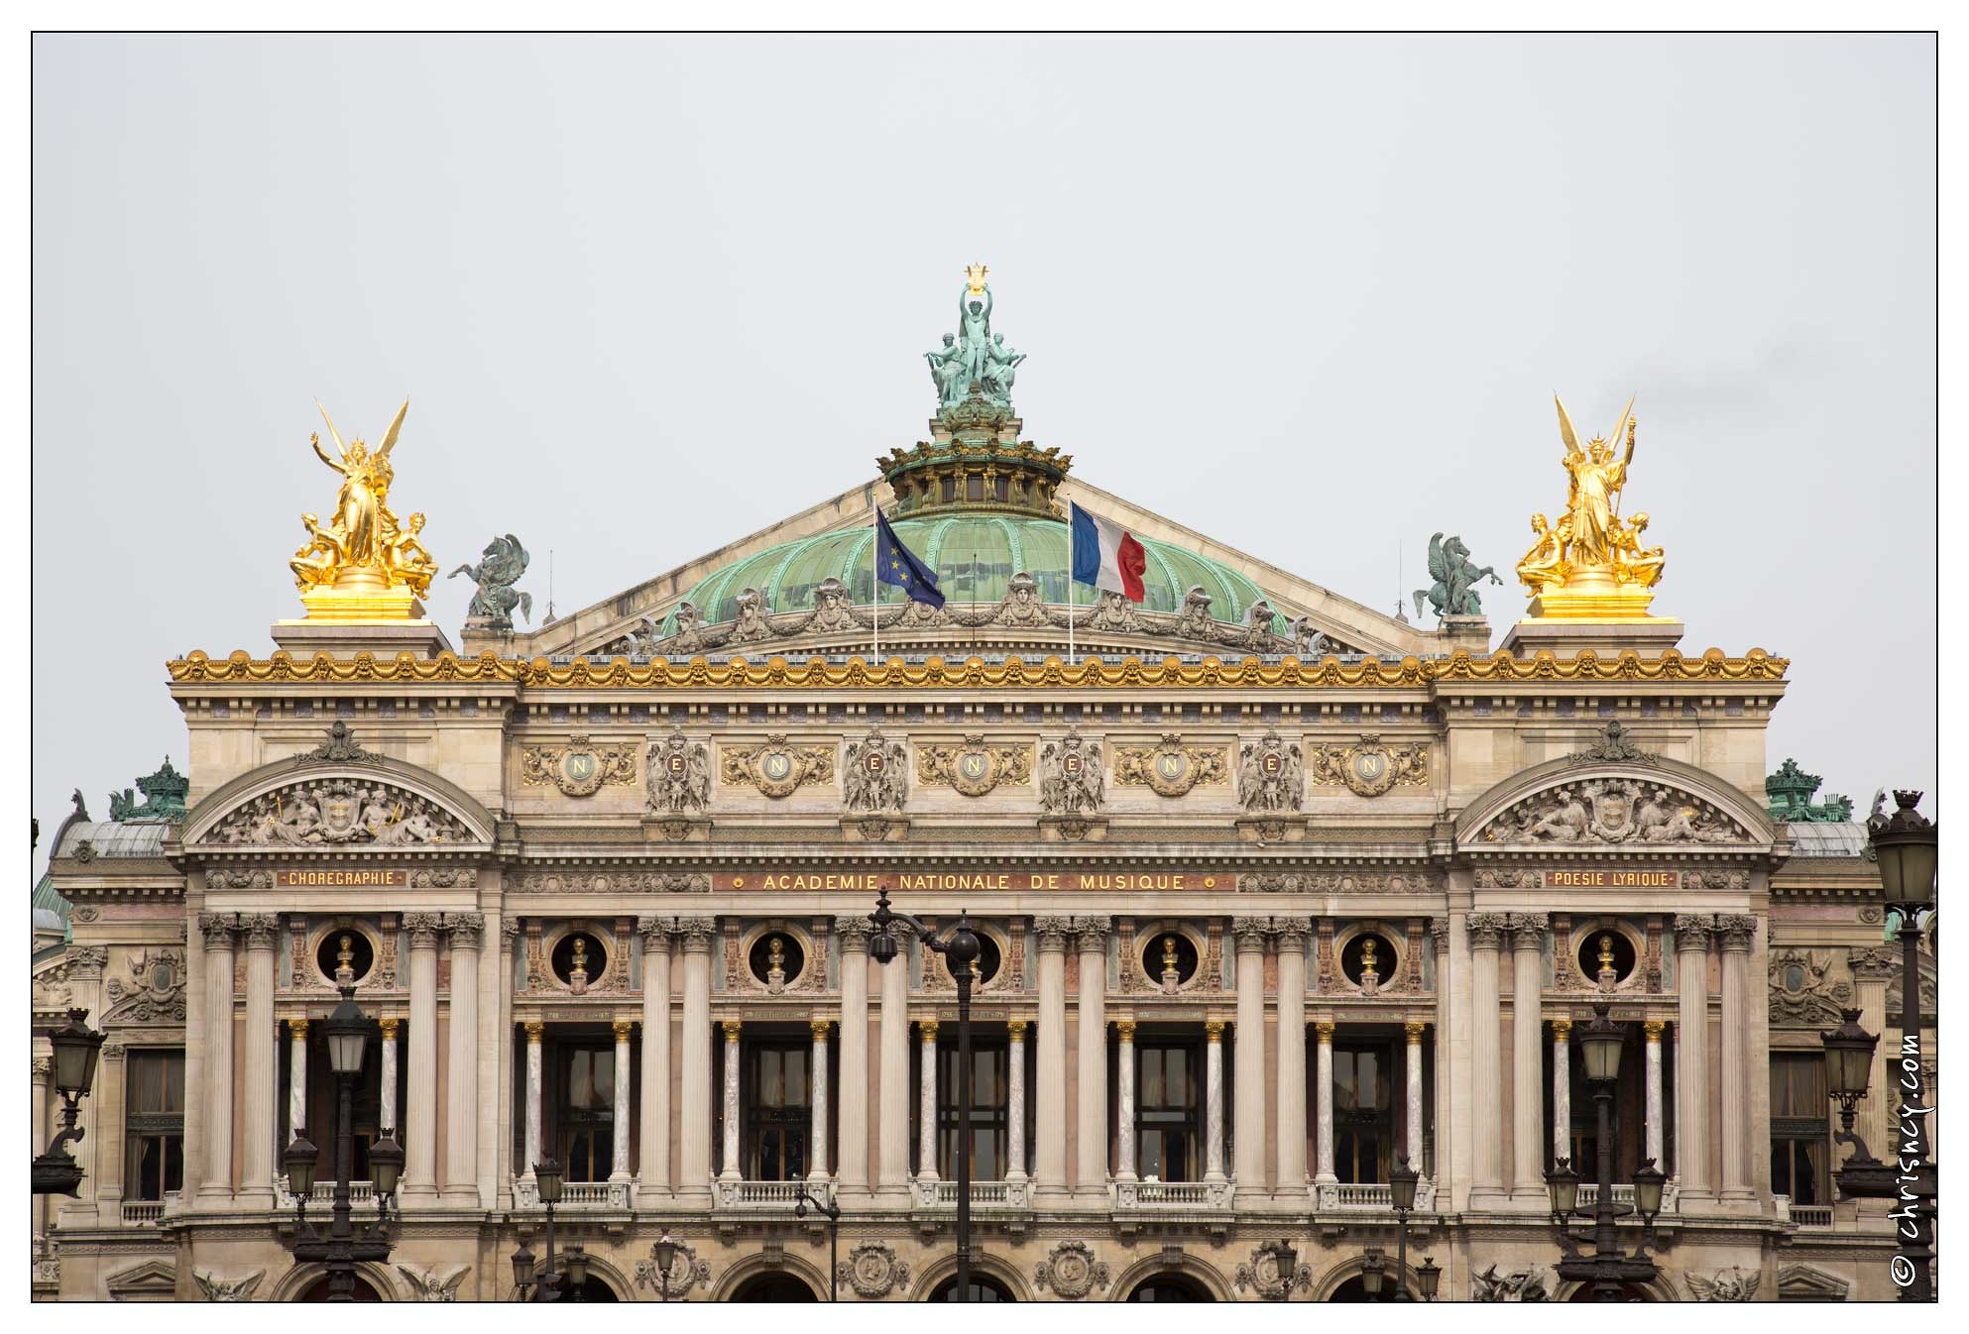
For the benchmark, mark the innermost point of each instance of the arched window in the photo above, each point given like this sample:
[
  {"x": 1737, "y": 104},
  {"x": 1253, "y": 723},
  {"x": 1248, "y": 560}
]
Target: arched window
[
  {"x": 1170, "y": 1288},
  {"x": 984, "y": 1288},
  {"x": 774, "y": 1287},
  {"x": 317, "y": 1291}
]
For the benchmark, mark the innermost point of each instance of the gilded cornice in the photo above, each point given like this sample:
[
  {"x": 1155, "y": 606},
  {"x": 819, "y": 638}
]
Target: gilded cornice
[{"x": 936, "y": 673}]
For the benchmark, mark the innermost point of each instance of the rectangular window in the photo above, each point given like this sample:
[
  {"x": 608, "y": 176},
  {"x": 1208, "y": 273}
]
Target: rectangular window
[
  {"x": 584, "y": 1121},
  {"x": 991, "y": 1088},
  {"x": 154, "y": 1124},
  {"x": 1363, "y": 1112},
  {"x": 1169, "y": 1124},
  {"x": 778, "y": 1119},
  {"x": 1801, "y": 1128}
]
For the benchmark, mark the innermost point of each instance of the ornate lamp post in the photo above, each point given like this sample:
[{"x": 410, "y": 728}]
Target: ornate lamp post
[
  {"x": 347, "y": 1033},
  {"x": 1608, "y": 1269},
  {"x": 1401, "y": 1188},
  {"x": 958, "y": 951},
  {"x": 832, "y": 1212},
  {"x": 1428, "y": 1277},
  {"x": 1374, "y": 1273},
  {"x": 1285, "y": 1258},
  {"x": 552, "y": 1283},
  {"x": 1848, "y": 1066},
  {"x": 1906, "y": 846},
  {"x": 76, "y": 1048},
  {"x": 663, "y": 1253}
]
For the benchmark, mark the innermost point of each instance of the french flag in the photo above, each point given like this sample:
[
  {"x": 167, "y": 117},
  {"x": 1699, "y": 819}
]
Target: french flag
[{"x": 1107, "y": 555}]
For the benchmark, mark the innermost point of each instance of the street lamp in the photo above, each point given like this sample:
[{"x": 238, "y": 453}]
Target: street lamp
[
  {"x": 553, "y": 1284},
  {"x": 1608, "y": 1269},
  {"x": 1401, "y": 1190},
  {"x": 958, "y": 951},
  {"x": 347, "y": 1033},
  {"x": 1848, "y": 1069},
  {"x": 1286, "y": 1260},
  {"x": 832, "y": 1212},
  {"x": 1907, "y": 846},
  {"x": 1428, "y": 1277},
  {"x": 1373, "y": 1272},
  {"x": 76, "y": 1048},
  {"x": 655, "y": 1271}
]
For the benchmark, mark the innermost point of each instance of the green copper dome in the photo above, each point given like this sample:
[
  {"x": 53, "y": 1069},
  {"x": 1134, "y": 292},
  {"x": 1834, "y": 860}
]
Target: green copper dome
[{"x": 975, "y": 556}]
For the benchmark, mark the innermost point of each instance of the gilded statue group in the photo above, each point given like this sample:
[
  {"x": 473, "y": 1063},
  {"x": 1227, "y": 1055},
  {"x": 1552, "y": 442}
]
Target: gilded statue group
[
  {"x": 1590, "y": 538},
  {"x": 974, "y": 355},
  {"x": 363, "y": 534}
]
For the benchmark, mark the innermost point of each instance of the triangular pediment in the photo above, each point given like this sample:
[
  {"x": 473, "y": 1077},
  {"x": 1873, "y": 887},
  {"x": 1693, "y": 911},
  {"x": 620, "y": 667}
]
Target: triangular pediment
[
  {"x": 150, "y": 1281},
  {"x": 1635, "y": 803}
]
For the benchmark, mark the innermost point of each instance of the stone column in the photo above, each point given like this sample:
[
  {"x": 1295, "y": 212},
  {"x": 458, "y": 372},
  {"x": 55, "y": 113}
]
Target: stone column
[
  {"x": 1527, "y": 1067},
  {"x": 1412, "y": 1029},
  {"x": 297, "y": 1075},
  {"x": 892, "y": 1147},
  {"x": 461, "y": 1118},
  {"x": 1692, "y": 1055},
  {"x": 421, "y": 1150},
  {"x": 111, "y": 1083},
  {"x": 694, "y": 1153},
  {"x": 1091, "y": 1069},
  {"x": 730, "y": 1170},
  {"x": 503, "y": 1169},
  {"x": 1213, "y": 1100},
  {"x": 215, "y": 1190},
  {"x": 43, "y": 1070},
  {"x": 619, "y": 1150},
  {"x": 1562, "y": 1090},
  {"x": 1050, "y": 1110},
  {"x": 1872, "y": 970},
  {"x": 926, "y": 1105},
  {"x": 1651, "y": 1028},
  {"x": 262, "y": 933},
  {"x": 1015, "y": 1111},
  {"x": 851, "y": 1161},
  {"x": 1323, "y": 1107},
  {"x": 817, "y": 1097},
  {"x": 535, "y": 1081},
  {"x": 1440, "y": 1127},
  {"x": 1485, "y": 931},
  {"x": 1249, "y": 1113},
  {"x": 653, "y": 1163},
  {"x": 1291, "y": 1054},
  {"x": 1124, "y": 1075},
  {"x": 1736, "y": 932}
]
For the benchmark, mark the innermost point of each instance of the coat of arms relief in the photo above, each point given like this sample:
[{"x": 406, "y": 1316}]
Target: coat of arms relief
[
  {"x": 580, "y": 768},
  {"x": 1170, "y": 768},
  {"x": 339, "y": 812},
  {"x": 973, "y": 767},
  {"x": 1367, "y": 768},
  {"x": 1615, "y": 811},
  {"x": 776, "y": 766}
]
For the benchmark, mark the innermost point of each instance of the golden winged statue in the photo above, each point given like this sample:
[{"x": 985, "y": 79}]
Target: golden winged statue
[
  {"x": 1589, "y": 564},
  {"x": 362, "y": 564}
]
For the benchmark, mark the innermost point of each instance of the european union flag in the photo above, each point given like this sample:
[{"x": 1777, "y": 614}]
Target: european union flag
[{"x": 897, "y": 564}]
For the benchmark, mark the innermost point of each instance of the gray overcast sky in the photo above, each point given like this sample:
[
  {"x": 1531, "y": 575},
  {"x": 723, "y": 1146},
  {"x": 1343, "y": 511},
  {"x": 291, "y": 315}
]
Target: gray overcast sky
[{"x": 1311, "y": 295}]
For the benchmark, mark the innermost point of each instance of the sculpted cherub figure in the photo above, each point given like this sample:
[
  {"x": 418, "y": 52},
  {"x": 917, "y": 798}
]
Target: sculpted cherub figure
[
  {"x": 1545, "y": 564},
  {"x": 1634, "y": 563}
]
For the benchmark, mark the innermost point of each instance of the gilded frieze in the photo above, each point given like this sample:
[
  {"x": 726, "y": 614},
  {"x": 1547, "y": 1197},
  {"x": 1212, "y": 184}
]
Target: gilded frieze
[
  {"x": 973, "y": 767},
  {"x": 1170, "y": 767},
  {"x": 578, "y": 769},
  {"x": 776, "y": 767},
  {"x": 1367, "y": 768}
]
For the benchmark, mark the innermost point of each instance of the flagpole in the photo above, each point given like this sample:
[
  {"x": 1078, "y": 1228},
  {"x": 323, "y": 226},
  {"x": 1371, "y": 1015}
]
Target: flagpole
[
  {"x": 1069, "y": 583},
  {"x": 875, "y": 588}
]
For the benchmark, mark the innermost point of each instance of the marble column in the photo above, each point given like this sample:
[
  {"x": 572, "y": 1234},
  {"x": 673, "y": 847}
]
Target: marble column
[
  {"x": 653, "y": 1161},
  {"x": 421, "y": 1149},
  {"x": 694, "y": 1153},
  {"x": 461, "y": 1118},
  {"x": 1485, "y": 932},
  {"x": 1291, "y": 1054},
  {"x": 262, "y": 935},
  {"x": 1562, "y": 1090},
  {"x": 1872, "y": 970},
  {"x": 619, "y": 1150},
  {"x": 1736, "y": 932},
  {"x": 1015, "y": 1111},
  {"x": 503, "y": 1168},
  {"x": 817, "y": 1099},
  {"x": 1249, "y": 1112},
  {"x": 297, "y": 1076},
  {"x": 730, "y": 1169},
  {"x": 1213, "y": 1100},
  {"x": 1091, "y": 1068},
  {"x": 1651, "y": 1029},
  {"x": 43, "y": 1071},
  {"x": 851, "y": 1162},
  {"x": 1692, "y": 1055},
  {"x": 926, "y": 1105},
  {"x": 1124, "y": 1077},
  {"x": 892, "y": 1146},
  {"x": 215, "y": 1189},
  {"x": 112, "y": 1082},
  {"x": 1527, "y": 1063},
  {"x": 1323, "y": 1107},
  {"x": 535, "y": 1083},
  {"x": 1050, "y": 1103},
  {"x": 1412, "y": 1087}
]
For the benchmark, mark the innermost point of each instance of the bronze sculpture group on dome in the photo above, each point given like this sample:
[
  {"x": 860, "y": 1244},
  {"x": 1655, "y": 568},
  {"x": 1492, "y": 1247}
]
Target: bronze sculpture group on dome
[{"x": 1591, "y": 565}]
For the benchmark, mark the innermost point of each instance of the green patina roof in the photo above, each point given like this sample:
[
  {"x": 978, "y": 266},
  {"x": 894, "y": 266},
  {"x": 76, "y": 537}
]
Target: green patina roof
[{"x": 1003, "y": 545}]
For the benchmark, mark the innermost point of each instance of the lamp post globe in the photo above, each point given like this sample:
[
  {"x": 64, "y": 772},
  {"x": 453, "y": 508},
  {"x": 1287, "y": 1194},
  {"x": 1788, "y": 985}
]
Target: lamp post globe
[
  {"x": 1372, "y": 1274},
  {"x": 300, "y": 1160},
  {"x": 347, "y": 1031},
  {"x": 1428, "y": 1277},
  {"x": 1402, "y": 1180},
  {"x": 1906, "y": 847},
  {"x": 77, "y": 1048},
  {"x": 386, "y": 1164},
  {"x": 523, "y": 1267},
  {"x": 1648, "y": 1183},
  {"x": 664, "y": 1253},
  {"x": 1600, "y": 1043},
  {"x": 1562, "y": 1183},
  {"x": 548, "y": 1177}
]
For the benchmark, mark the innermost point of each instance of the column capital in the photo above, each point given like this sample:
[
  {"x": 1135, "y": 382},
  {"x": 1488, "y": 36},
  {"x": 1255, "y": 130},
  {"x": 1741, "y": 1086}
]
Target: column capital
[
  {"x": 853, "y": 933},
  {"x": 1292, "y": 933},
  {"x": 1052, "y": 933},
  {"x": 467, "y": 929},
  {"x": 622, "y": 1029},
  {"x": 1738, "y": 930},
  {"x": 929, "y": 1027},
  {"x": 697, "y": 933},
  {"x": 509, "y": 931},
  {"x": 1414, "y": 1028},
  {"x": 1652, "y": 1028},
  {"x": 655, "y": 931},
  {"x": 1324, "y": 1029},
  {"x": 1439, "y": 933},
  {"x": 1872, "y": 965},
  {"x": 423, "y": 928},
  {"x": 535, "y": 1030},
  {"x": 819, "y": 1028},
  {"x": 1485, "y": 930},
  {"x": 1092, "y": 933},
  {"x": 1561, "y": 1029},
  {"x": 389, "y": 1027},
  {"x": 218, "y": 930},
  {"x": 1251, "y": 933},
  {"x": 1016, "y": 1029},
  {"x": 1692, "y": 932},
  {"x": 298, "y": 1029},
  {"x": 1213, "y": 1030},
  {"x": 43, "y": 1068},
  {"x": 1527, "y": 930},
  {"x": 1124, "y": 1029},
  {"x": 261, "y": 930},
  {"x": 732, "y": 1028}
]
